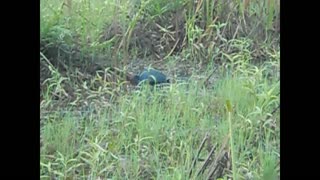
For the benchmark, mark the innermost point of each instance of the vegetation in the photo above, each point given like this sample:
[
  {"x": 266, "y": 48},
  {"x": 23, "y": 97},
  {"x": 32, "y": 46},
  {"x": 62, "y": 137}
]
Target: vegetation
[{"x": 218, "y": 119}]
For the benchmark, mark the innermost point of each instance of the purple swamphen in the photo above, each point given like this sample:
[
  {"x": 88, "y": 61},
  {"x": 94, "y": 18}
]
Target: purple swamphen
[{"x": 150, "y": 75}]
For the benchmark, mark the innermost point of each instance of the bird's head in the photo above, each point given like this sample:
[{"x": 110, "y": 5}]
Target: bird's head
[{"x": 133, "y": 79}]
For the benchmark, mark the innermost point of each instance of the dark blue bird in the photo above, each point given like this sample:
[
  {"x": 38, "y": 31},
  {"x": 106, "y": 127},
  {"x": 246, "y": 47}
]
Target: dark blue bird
[{"x": 150, "y": 75}]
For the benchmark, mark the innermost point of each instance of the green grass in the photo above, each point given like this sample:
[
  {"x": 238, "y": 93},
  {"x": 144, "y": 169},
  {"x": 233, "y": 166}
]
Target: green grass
[
  {"x": 93, "y": 127},
  {"x": 157, "y": 134}
]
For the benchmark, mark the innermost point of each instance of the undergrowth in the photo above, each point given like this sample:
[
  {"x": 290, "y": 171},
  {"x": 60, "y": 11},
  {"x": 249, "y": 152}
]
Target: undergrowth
[{"x": 218, "y": 119}]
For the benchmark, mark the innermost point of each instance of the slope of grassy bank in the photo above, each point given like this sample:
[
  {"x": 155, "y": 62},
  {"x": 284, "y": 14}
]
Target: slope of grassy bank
[{"x": 221, "y": 121}]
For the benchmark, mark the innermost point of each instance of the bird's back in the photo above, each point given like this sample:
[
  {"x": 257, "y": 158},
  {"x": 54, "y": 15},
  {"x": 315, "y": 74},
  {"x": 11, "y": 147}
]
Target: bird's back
[{"x": 154, "y": 76}]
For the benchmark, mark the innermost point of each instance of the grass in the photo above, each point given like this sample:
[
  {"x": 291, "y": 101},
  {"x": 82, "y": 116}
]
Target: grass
[
  {"x": 221, "y": 123},
  {"x": 157, "y": 135}
]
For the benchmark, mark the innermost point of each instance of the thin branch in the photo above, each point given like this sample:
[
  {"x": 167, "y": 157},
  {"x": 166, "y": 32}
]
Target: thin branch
[
  {"x": 206, "y": 163},
  {"x": 199, "y": 150}
]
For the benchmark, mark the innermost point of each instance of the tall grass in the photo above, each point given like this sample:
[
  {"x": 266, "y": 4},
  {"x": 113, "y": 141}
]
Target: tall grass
[
  {"x": 155, "y": 133},
  {"x": 194, "y": 25},
  {"x": 93, "y": 127}
]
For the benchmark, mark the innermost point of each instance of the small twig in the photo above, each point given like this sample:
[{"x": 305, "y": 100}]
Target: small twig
[
  {"x": 207, "y": 80},
  {"x": 206, "y": 163},
  {"x": 220, "y": 154},
  {"x": 174, "y": 47},
  {"x": 275, "y": 109},
  {"x": 45, "y": 58},
  {"x": 272, "y": 113},
  {"x": 235, "y": 33},
  {"x": 195, "y": 159},
  {"x": 225, "y": 27},
  {"x": 219, "y": 163}
]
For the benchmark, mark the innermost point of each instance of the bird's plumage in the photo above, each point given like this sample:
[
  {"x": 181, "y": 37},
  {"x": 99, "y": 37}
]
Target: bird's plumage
[{"x": 150, "y": 75}]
